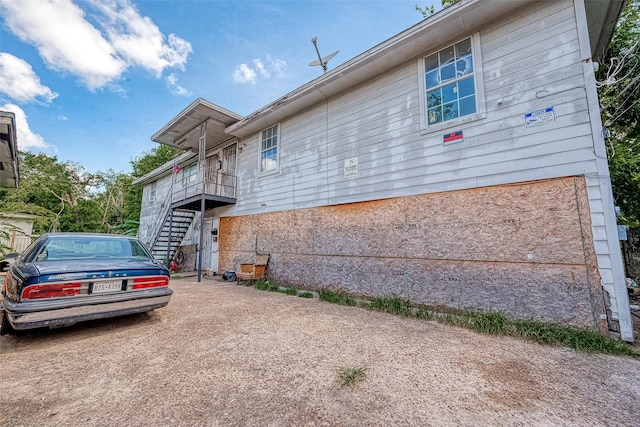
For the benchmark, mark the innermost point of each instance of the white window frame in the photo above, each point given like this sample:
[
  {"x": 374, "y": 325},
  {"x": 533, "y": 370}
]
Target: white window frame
[
  {"x": 278, "y": 147},
  {"x": 478, "y": 79},
  {"x": 152, "y": 192},
  {"x": 191, "y": 177}
]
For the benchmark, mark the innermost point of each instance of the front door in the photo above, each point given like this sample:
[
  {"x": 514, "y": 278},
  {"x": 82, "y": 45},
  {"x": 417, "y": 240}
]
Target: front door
[
  {"x": 211, "y": 175},
  {"x": 214, "y": 237}
]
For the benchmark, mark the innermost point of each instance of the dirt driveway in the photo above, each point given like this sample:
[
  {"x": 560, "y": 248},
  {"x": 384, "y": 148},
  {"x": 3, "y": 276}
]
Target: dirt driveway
[{"x": 222, "y": 354}]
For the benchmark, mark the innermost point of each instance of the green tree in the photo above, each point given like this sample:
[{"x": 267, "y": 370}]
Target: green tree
[
  {"x": 142, "y": 165},
  {"x": 619, "y": 89},
  {"x": 152, "y": 159},
  {"x": 48, "y": 188},
  {"x": 430, "y": 9}
]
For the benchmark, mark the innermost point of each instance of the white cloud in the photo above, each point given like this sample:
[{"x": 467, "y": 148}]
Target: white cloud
[
  {"x": 138, "y": 40},
  {"x": 261, "y": 68},
  {"x": 64, "y": 39},
  {"x": 244, "y": 74},
  {"x": 266, "y": 68},
  {"x": 277, "y": 66},
  {"x": 20, "y": 82},
  {"x": 26, "y": 138},
  {"x": 175, "y": 87},
  {"x": 68, "y": 42}
]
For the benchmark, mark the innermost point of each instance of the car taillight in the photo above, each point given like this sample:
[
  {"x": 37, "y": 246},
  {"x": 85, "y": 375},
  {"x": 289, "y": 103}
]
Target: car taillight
[
  {"x": 54, "y": 290},
  {"x": 150, "y": 282}
]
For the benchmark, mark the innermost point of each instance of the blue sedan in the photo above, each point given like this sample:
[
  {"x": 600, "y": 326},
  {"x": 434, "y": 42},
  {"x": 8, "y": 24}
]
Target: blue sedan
[{"x": 65, "y": 278}]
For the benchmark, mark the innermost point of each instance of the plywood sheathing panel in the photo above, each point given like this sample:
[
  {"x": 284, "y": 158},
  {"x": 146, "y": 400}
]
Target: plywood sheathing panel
[
  {"x": 239, "y": 232},
  {"x": 287, "y": 232},
  {"x": 596, "y": 292},
  {"x": 237, "y": 241},
  {"x": 523, "y": 248},
  {"x": 361, "y": 276},
  {"x": 536, "y": 222},
  {"x": 361, "y": 229},
  {"x": 552, "y": 291}
]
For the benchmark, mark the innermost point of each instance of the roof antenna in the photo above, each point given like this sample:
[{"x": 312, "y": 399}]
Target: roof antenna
[{"x": 321, "y": 61}]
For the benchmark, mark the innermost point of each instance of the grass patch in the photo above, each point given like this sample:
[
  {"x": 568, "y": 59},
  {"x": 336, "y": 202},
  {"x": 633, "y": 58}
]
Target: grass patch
[
  {"x": 335, "y": 297},
  {"x": 578, "y": 339},
  {"x": 423, "y": 313},
  {"x": 495, "y": 323},
  {"x": 261, "y": 285},
  {"x": 267, "y": 285},
  {"x": 393, "y": 305},
  {"x": 350, "y": 376},
  {"x": 488, "y": 323}
]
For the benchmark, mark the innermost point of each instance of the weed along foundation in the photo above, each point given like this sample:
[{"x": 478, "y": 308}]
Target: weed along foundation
[{"x": 504, "y": 248}]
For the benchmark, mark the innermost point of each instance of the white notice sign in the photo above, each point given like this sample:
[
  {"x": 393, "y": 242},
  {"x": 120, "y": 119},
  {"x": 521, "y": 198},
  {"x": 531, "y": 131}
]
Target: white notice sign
[
  {"x": 540, "y": 117},
  {"x": 351, "y": 167}
]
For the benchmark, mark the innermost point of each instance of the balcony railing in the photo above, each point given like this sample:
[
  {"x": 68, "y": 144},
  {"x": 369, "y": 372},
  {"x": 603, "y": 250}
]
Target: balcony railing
[{"x": 212, "y": 182}]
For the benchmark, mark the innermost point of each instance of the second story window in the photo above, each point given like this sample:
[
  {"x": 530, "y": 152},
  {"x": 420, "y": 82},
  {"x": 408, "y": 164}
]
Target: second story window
[
  {"x": 449, "y": 79},
  {"x": 269, "y": 149},
  {"x": 152, "y": 192},
  {"x": 189, "y": 173}
]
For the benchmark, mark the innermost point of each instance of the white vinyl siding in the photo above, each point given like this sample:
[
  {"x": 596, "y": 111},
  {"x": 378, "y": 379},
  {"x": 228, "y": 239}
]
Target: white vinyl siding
[{"x": 381, "y": 123}]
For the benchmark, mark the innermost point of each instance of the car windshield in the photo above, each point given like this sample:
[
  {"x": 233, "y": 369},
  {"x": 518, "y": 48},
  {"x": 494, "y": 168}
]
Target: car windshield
[{"x": 64, "y": 248}]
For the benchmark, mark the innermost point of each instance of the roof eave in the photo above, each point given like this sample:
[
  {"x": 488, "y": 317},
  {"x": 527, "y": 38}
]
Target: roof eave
[
  {"x": 464, "y": 17},
  {"x": 184, "y": 122},
  {"x": 602, "y": 17}
]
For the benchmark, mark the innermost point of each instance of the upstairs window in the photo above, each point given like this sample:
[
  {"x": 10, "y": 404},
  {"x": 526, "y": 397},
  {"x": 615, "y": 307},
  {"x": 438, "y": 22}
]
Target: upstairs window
[
  {"x": 189, "y": 173},
  {"x": 449, "y": 83},
  {"x": 152, "y": 192},
  {"x": 269, "y": 149}
]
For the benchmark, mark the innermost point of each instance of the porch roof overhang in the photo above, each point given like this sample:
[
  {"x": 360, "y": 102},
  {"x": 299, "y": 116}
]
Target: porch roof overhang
[
  {"x": 210, "y": 202},
  {"x": 185, "y": 129},
  {"x": 462, "y": 18},
  {"x": 9, "y": 172}
]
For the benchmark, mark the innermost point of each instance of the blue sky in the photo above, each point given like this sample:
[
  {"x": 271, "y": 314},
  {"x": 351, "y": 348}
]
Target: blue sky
[{"x": 91, "y": 80}]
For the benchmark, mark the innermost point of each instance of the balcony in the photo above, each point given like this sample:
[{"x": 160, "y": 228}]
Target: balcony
[{"x": 211, "y": 187}]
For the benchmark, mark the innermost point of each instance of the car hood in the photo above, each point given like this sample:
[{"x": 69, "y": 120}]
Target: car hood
[{"x": 91, "y": 269}]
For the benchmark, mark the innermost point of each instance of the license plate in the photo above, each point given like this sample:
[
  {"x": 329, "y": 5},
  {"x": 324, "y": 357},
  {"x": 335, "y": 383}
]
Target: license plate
[{"x": 107, "y": 286}]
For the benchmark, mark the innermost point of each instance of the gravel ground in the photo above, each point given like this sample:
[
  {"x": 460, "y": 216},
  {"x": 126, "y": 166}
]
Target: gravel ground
[{"x": 221, "y": 355}]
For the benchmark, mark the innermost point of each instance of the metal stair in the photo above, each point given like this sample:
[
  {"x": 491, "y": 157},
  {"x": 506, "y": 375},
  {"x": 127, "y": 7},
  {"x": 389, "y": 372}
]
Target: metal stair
[{"x": 179, "y": 223}]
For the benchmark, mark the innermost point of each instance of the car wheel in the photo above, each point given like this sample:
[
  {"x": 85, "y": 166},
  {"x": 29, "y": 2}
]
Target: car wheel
[{"x": 5, "y": 326}]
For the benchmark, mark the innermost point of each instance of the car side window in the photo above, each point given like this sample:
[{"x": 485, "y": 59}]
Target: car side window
[{"x": 43, "y": 256}]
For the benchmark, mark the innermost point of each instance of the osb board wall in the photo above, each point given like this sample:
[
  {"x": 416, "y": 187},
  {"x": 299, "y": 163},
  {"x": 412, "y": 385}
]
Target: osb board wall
[{"x": 525, "y": 249}]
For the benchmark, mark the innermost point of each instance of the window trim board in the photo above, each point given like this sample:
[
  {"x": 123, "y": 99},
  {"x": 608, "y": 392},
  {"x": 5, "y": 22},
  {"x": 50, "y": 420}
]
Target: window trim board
[
  {"x": 278, "y": 150},
  {"x": 478, "y": 82}
]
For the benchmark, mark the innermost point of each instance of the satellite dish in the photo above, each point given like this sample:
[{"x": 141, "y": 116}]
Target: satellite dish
[{"x": 321, "y": 60}]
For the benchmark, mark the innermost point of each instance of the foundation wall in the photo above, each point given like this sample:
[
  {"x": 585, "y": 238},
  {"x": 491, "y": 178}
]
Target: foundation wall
[{"x": 525, "y": 249}]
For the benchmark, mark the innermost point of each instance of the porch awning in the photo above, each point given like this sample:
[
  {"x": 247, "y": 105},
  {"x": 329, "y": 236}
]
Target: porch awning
[{"x": 184, "y": 130}]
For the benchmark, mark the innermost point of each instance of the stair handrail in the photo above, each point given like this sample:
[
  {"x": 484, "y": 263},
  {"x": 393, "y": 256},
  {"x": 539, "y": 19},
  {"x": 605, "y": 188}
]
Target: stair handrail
[{"x": 157, "y": 227}]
